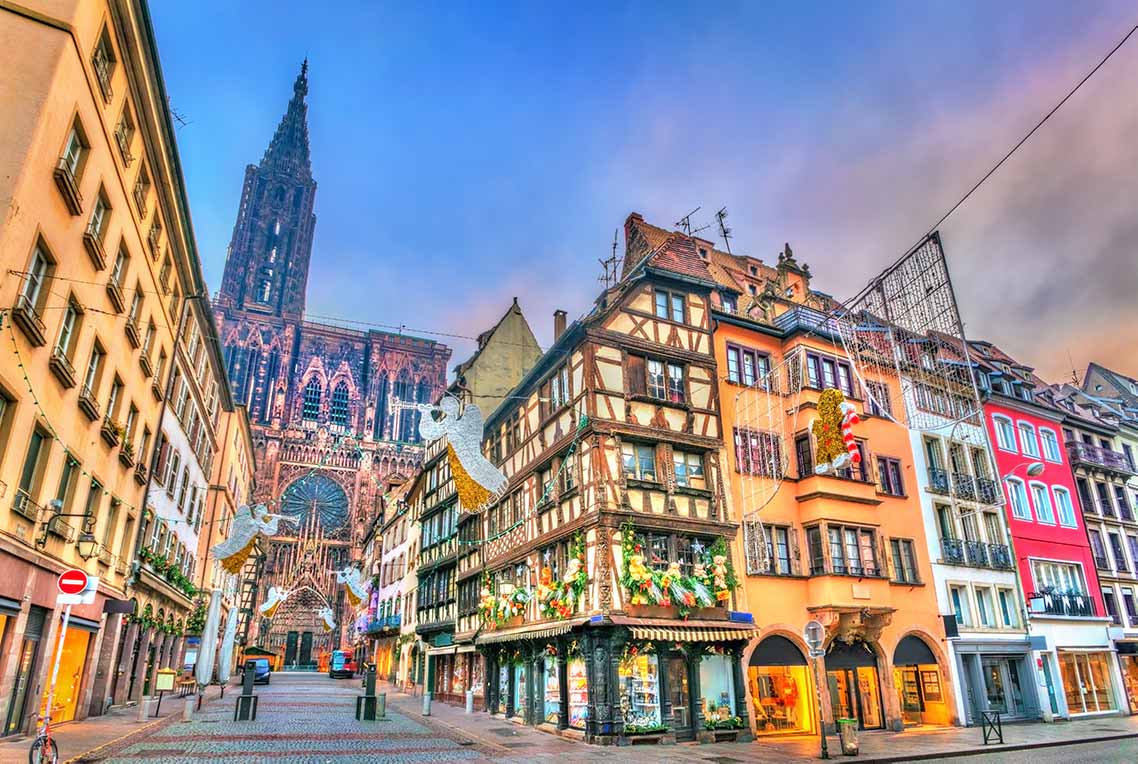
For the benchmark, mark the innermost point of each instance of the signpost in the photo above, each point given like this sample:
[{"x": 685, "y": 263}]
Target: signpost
[
  {"x": 815, "y": 634},
  {"x": 75, "y": 588},
  {"x": 163, "y": 682}
]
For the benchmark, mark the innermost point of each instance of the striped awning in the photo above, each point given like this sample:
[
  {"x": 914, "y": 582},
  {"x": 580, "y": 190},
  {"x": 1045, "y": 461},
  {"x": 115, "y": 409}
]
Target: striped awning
[
  {"x": 535, "y": 631},
  {"x": 691, "y": 634}
]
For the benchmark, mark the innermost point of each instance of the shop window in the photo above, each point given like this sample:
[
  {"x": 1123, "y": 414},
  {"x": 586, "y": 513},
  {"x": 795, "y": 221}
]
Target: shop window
[
  {"x": 521, "y": 691},
  {"x": 578, "y": 693},
  {"x": 552, "y": 688},
  {"x": 717, "y": 688},
  {"x": 779, "y": 684},
  {"x": 639, "y": 678}
]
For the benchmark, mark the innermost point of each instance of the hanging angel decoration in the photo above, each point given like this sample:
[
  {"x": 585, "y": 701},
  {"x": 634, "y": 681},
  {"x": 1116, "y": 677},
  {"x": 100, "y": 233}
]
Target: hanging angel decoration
[
  {"x": 476, "y": 479},
  {"x": 835, "y": 445},
  {"x": 328, "y": 618},
  {"x": 248, "y": 523},
  {"x": 270, "y": 605},
  {"x": 355, "y": 589}
]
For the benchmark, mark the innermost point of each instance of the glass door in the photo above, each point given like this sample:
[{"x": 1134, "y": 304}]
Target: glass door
[
  {"x": 995, "y": 688},
  {"x": 20, "y": 688},
  {"x": 869, "y": 698},
  {"x": 679, "y": 697},
  {"x": 841, "y": 699},
  {"x": 1086, "y": 680}
]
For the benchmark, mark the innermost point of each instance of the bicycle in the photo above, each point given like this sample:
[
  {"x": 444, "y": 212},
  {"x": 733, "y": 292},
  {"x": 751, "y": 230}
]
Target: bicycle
[{"x": 44, "y": 750}]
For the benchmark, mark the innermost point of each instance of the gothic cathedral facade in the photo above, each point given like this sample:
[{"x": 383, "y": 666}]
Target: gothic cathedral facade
[{"x": 325, "y": 402}]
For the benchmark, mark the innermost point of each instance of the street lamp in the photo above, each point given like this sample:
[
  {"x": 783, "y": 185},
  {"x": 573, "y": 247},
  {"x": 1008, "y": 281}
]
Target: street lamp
[
  {"x": 88, "y": 547},
  {"x": 814, "y": 634},
  {"x": 1034, "y": 469}
]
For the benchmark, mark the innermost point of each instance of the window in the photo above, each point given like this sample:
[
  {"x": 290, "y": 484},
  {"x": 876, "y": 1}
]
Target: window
[
  {"x": 639, "y": 461},
  {"x": 817, "y": 552},
  {"x": 959, "y": 597},
  {"x": 889, "y": 476},
  {"x": 1027, "y": 439},
  {"x": 805, "y": 455},
  {"x": 69, "y": 329},
  {"x": 113, "y": 399},
  {"x": 568, "y": 472},
  {"x": 124, "y": 135},
  {"x": 1104, "y": 501},
  {"x": 1066, "y": 509},
  {"x": 164, "y": 274},
  {"x": 94, "y": 496},
  {"x": 984, "y": 607},
  {"x": 823, "y": 371},
  {"x": 39, "y": 271},
  {"x": 1050, "y": 445},
  {"x": 142, "y": 190},
  {"x": 1006, "y": 600},
  {"x": 312, "y": 396},
  {"x": 1130, "y": 606},
  {"x": 689, "y": 469},
  {"x": 1017, "y": 497},
  {"x": 746, "y": 367},
  {"x": 66, "y": 490},
  {"x": 99, "y": 214},
  {"x": 1128, "y": 452},
  {"x": 727, "y": 301},
  {"x": 74, "y": 152},
  {"x": 1005, "y": 433},
  {"x": 670, "y": 305},
  {"x": 1123, "y": 503},
  {"x": 1111, "y": 606},
  {"x": 339, "y": 413},
  {"x": 557, "y": 390},
  {"x": 758, "y": 453},
  {"x": 1063, "y": 577},
  {"x": 1132, "y": 543},
  {"x": 904, "y": 562},
  {"x": 1042, "y": 504},
  {"x": 103, "y": 62},
  {"x": 879, "y": 402},
  {"x": 778, "y": 550},
  {"x": 852, "y": 551},
  {"x": 1120, "y": 563}
]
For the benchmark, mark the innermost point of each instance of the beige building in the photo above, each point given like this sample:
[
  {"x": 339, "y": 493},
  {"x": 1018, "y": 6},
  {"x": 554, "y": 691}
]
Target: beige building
[{"x": 97, "y": 254}]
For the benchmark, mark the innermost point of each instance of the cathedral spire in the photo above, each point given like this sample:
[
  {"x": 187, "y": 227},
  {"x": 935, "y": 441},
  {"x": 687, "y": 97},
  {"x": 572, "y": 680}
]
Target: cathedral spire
[{"x": 288, "y": 151}]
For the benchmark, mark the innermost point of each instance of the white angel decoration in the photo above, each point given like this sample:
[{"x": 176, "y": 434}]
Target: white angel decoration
[
  {"x": 328, "y": 617},
  {"x": 248, "y": 523},
  {"x": 275, "y": 598},
  {"x": 476, "y": 479},
  {"x": 355, "y": 589}
]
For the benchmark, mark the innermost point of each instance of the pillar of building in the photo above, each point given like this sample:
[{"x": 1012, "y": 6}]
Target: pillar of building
[
  {"x": 121, "y": 680},
  {"x": 138, "y": 671},
  {"x": 105, "y": 666}
]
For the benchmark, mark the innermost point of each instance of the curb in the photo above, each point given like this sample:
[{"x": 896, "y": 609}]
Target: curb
[
  {"x": 123, "y": 741},
  {"x": 460, "y": 732},
  {"x": 996, "y": 749}
]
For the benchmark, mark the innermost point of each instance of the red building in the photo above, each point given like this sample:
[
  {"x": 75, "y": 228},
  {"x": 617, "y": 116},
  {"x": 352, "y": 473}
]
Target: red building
[{"x": 1067, "y": 621}]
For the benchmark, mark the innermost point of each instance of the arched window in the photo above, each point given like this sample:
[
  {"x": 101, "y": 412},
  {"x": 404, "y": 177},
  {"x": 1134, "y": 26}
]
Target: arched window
[
  {"x": 340, "y": 404},
  {"x": 405, "y": 392},
  {"x": 380, "y": 407},
  {"x": 312, "y": 396},
  {"x": 272, "y": 368}
]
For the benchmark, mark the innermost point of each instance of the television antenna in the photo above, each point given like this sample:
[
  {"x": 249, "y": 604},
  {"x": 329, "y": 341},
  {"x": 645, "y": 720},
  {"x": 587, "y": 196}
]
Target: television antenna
[
  {"x": 611, "y": 264},
  {"x": 685, "y": 221},
  {"x": 724, "y": 230}
]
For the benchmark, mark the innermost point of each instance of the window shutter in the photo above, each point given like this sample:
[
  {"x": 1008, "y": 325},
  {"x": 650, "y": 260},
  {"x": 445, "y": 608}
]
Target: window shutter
[
  {"x": 637, "y": 376},
  {"x": 742, "y": 461},
  {"x": 795, "y": 555}
]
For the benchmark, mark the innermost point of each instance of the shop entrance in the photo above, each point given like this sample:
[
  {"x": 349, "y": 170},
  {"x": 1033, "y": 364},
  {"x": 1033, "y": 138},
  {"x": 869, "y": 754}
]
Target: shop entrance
[
  {"x": 29, "y": 652},
  {"x": 917, "y": 679},
  {"x": 1003, "y": 687},
  {"x": 780, "y": 687},
  {"x": 72, "y": 662},
  {"x": 852, "y": 680},
  {"x": 680, "y": 697},
  {"x": 1086, "y": 682},
  {"x": 1130, "y": 679}
]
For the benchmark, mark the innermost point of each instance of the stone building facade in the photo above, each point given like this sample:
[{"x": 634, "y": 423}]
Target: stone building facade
[{"x": 324, "y": 401}]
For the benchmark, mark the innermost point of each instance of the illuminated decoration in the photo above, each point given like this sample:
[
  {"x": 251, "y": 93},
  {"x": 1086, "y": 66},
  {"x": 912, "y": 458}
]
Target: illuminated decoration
[
  {"x": 476, "y": 479},
  {"x": 248, "y": 524},
  {"x": 355, "y": 589},
  {"x": 275, "y": 598},
  {"x": 329, "y": 619},
  {"x": 317, "y": 497},
  {"x": 834, "y": 443}
]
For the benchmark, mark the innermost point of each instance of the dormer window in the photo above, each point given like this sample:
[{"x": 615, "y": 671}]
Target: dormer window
[
  {"x": 702, "y": 253},
  {"x": 728, "y": 302},
  {"x": 751, "y": 288},
  {"x": 754, "y": 271}
]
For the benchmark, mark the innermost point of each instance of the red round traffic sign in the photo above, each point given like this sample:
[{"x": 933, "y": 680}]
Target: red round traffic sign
[{"x": 72, "y": 581}]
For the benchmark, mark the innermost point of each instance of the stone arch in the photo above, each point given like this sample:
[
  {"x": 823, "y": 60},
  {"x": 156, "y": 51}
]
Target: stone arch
[
  {"x": 793, "y": 635},
  {"x": 933, "y": 643}
]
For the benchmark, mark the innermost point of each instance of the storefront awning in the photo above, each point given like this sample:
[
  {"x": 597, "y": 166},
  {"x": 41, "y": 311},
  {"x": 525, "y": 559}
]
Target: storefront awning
[
  {"x": 533, "y": 631},
  {"x": 689, "y": 633},
  {"x": 450, "y": 650}
]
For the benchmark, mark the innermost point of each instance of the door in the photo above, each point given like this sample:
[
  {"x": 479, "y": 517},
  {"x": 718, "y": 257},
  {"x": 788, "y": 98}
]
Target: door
[
  {"x": 305, "y": 656},
  {"x": 854, "y": 695},
  {"x": 20, "y": 688},
  {"x": 680, "y": 698},
  {"x": 907, "y": 681},
  {"x": 290, "y": 649},
  {"x": 995, "y": 687}
]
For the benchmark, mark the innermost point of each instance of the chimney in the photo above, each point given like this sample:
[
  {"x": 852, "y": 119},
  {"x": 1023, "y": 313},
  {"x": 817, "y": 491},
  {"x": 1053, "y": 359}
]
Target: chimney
[{"x": 558, "y": 324}]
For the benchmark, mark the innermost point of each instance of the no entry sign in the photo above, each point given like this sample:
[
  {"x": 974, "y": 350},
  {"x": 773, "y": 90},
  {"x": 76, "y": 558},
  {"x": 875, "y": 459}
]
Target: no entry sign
[{"x": 73, "y": 581}]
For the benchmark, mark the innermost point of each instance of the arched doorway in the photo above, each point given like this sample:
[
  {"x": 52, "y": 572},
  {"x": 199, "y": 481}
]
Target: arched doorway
[
  {"x": 853, "y": 682},
  {"x": 778, "y": 677},
  {"x": 916, "y": 675}
]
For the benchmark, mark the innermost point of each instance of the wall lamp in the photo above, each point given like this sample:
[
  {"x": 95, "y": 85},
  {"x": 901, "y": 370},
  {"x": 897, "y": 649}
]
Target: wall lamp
[{"x": 88, "y": 546}]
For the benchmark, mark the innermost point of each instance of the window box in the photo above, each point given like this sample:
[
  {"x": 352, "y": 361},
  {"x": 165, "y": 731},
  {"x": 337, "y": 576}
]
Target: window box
[
  {"x": 23, "y": 506},
  {"x": 156, "y": 389},
  {"x": 126, "y": 456},
  {"x": 61, "y": 367},
  {"x": 95, "y": 249},
  {"x": 140, "y": 473},
  {"x": 114, "y": 291},
  {"x": 144, "y": 364},
  {"x": 133, "y": 334},
  {"x": 89, "y": 404},
  {"x": 111, "y": 432},
  {"x": 68, "y": 187},
  {"x": 652, "y": 611},
  {"x": 25, "y": 314}
]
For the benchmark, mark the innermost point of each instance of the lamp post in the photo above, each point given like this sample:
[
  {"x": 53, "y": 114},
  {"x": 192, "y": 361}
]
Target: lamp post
[{"x": 815, "y": 634}]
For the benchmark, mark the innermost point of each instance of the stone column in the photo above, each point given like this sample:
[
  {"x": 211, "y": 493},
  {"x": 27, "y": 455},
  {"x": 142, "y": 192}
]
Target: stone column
[
  {"x": 105, "y": 664},
  {"x": 741, "y": 709},
  {"x": 563, "y": 684},
  {"x": 121, "y": 679},
  {"x": 139, "y": 670},
  {"x": 159, "y": 653}
]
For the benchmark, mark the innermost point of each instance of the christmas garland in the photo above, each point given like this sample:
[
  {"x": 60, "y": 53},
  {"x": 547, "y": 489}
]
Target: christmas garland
[
  {"x": 636, "y": 649},
  {"x": 558, "y": 599},
  {"x": 496, "y": 610},
  {"x": 711, "y": 581}
]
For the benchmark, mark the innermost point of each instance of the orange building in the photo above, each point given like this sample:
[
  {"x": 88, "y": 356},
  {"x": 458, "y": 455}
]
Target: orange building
[{"x": 845, "y": 548}]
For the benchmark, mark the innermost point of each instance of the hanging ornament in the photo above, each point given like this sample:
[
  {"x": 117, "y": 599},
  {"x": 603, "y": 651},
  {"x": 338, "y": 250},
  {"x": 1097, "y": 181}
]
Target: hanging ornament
[
  {"x": 835, "y": 445},
  {"x": 354, "y": 589},
  {"x": 276, "y": 597},
  {"x": 248, "y": 524},
  {"x": 329, "y": 619},
  {"x": 477, "y": 480}
]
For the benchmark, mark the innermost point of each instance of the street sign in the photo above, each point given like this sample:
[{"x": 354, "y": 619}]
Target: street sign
[
  {"x": 73, "y": 581},
  {"x": 815, "y": 634},
  {"x": 819, "y": 653},
  {"x": 84, "y": 597}
]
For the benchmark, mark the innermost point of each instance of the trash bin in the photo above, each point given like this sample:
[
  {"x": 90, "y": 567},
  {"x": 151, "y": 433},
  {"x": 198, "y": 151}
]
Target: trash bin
[{"x": 847, "y": 735}]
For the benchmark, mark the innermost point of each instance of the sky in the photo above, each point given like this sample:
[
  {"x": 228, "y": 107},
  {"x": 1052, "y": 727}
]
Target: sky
[{"x": 469, "y": 153}]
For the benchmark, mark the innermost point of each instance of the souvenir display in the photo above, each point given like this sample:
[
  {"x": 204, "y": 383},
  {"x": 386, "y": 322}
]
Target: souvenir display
[
  {"x": 639, "y": 678},
  {"x": 578, "y": 693},
  {"x": 717, "y": 691},
  {"x": 552, "y": 691}
]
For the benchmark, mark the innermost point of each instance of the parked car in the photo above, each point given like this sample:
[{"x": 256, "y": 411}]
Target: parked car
[
  {"x": 261, "y": 672},
  {"x": 342, "y": 665}
]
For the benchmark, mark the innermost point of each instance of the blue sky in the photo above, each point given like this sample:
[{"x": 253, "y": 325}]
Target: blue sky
[{"x": 469, "y": 153}]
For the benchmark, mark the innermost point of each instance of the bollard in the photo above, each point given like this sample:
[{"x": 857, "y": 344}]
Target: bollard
[
  {"x": 246, "y": 708},
  {"x": 426, "y": 703},
  {"x": 366, "y": 704},
  {"x": 188, "y": 709},
  {"x": 381, "y": 709},
  {"x": 143, "y": 709},
  {"x": 470, "y": 701}
]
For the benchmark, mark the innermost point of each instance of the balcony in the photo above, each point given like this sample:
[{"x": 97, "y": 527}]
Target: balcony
[
  {"x": 938, "y": 480},
  {"x": 61, "y": 367},
  {"x": 25, "y": 314},
  {"x": 68, "y": 187},
  {"x": 103, "y": 74},
  {"x": 952, "y": 551},
  {"x": 1000, "y": 556},
  {"x": 89, "y": 403},
  {"x": 23, "y": 505},
  {"x": 1094, "y": 457},
  {"x": 114, "y": 291},
  {"x": 1101, "y": 562},
  {"x": 140, "y": 473},
  {"x": 988, "y": 491},
  {"x": 976, "y": 554},
  {"x": 93, "y": 242},
  {"x": 132, "y": 332},
  {"x": 964, "y": 485},
  {"x": 1071, "y": 604},
  {"x": 123, "y": 136},
  {"x": 829, "y": 568}
]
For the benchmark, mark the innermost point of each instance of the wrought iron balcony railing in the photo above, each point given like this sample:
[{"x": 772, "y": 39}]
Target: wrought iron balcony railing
[
  {"x": 976, "y": 553},
  {"x": 1089, "y": 455},
  {"x": 965, "y": 486},
  {"x": 1071, "y": 604},
  {"x": 1000, "y": 556},
  {"x": 987, "y": 490},
  {"x": 952, "y": 550},
  {"x": 938, "y": 480},
  {"x": 1101, "y": 562}
]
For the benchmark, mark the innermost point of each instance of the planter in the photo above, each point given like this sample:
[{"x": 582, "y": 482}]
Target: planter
[
  {"x": 664, "y": 737},
  {"x": 652, "y": 611},
  {"x": 517, "y": 620},
  {"x": 710, "y": 614},
  {"x": 717, "y": 736}
]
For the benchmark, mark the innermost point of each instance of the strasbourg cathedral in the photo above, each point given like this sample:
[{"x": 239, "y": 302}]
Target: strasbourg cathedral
[{"x": 324, "y": 402}]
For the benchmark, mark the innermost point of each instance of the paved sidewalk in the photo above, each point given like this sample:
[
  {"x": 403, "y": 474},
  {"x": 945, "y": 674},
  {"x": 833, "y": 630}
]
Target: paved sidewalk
[
  {"x": 78, "y": 738},
  {"x": 519, "y": 743}
]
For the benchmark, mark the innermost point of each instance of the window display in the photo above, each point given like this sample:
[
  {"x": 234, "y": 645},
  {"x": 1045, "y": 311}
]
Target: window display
[
  {"x": 504, "y": 687},
  {"x": 552, "y": 691},
  {"x": 640, "y": 693},
  {"x": 717, "y": 689},
  {"x": 521, "y": 696},
  {"x": 578, "y": 693},
  {"x": 478, "y": 665},
  {"x": 1086, "y": 679},
  {"x": 780, "y": 698}
]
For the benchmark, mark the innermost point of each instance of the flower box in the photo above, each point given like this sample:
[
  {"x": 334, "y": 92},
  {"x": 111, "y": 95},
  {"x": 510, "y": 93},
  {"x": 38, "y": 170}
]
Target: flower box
[
  {"x": 517, "y": 620},
  {"x": 709, "y": 613},
  {"x": 652, "y": 611},
  {"x": 718, "y": 736}
]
